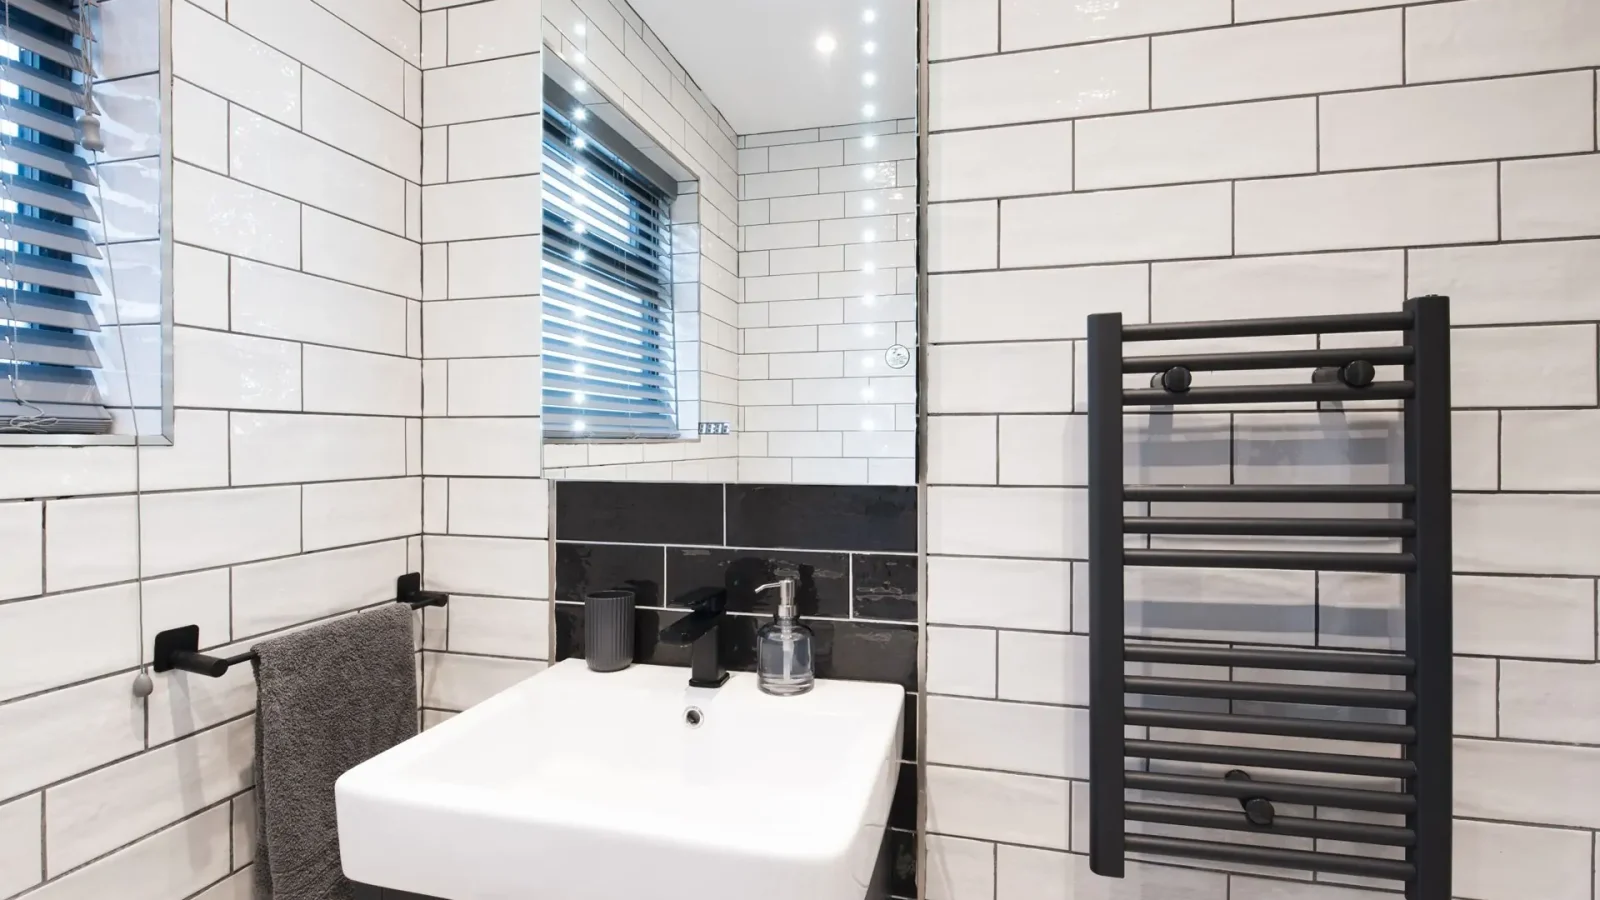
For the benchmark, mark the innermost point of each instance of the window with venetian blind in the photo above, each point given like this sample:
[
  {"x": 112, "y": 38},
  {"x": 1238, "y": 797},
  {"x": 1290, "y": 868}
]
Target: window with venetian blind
[
  {"x": 48, "y": 359},
  {"x": 607, "y": 282}
]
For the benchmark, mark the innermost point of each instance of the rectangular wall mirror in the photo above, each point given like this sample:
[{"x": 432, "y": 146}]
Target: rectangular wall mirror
[{"x": 730, "y": 242}]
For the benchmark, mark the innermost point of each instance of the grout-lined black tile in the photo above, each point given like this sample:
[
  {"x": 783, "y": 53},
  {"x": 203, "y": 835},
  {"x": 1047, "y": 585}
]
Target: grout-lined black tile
[
  {"x": 884, "y": 587},
  {"x": 822, "y": 580},
  {"x": 866, "y": 651},
  {"x": 582, "y": 568},
  {"x": 639, "y": 512},
  {"x": 823, "y": 517}
]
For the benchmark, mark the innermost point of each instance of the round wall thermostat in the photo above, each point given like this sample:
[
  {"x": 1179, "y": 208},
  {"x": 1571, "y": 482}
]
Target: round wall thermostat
[{"x": 897, "y": 356}]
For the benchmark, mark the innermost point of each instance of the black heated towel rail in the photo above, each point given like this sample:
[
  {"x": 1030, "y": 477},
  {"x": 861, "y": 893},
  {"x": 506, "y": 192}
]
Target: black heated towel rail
[{"x": 1418, "y": 716}]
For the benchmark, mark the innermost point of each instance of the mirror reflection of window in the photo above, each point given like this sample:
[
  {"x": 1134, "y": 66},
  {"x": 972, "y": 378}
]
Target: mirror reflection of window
[{"x": 751, "y": 315}]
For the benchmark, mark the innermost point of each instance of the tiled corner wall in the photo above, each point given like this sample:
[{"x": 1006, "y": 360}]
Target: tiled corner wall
[
  {"x": 485, "y": 505},
  {"x": 851, "y": 551},
  {"x": 1201, "y": 159},
  {"x": 616, "y": 53},
  {"x": 828, "y": 266},
  {"x": 291, "y": 494}
]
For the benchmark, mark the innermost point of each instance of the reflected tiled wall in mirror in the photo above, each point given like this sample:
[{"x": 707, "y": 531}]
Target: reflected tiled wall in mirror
[{"x": 730, "y": 248}]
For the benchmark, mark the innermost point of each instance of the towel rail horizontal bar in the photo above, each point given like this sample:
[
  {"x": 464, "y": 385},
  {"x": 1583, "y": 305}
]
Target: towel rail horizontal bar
[
  {"x": 1315, "y": 694},
  {"x": 1336, "y": 863},
  {"x": 1342, "y": 324},
  {"x": 1372, "y": 732},
  {"x": 1325, "y": 392},
  {"x": 1289, "y": 826},
  {"x": 1382, "y": 528},
  {"x": 178, "y": 648},
  {"x": 1272, "y": 559},
  {"x": 1248, "y": 657},
  {"x": 1313, "y": 794},
  {"x": 1263, "y": 757},
  {"x": 1269, "y": 493},
  {"x": 1272, "y": 359}
]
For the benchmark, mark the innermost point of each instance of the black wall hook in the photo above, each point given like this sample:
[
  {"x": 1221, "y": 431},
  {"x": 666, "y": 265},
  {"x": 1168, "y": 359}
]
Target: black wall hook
[{"x": 178, "y": 648}]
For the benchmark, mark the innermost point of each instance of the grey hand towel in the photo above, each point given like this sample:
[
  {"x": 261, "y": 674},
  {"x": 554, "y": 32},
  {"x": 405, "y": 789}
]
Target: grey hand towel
[{"x": 327, "y": 698}]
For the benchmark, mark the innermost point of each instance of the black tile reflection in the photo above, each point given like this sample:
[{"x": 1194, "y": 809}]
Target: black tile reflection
[
  {"x": 639, "y": 512},
  {"x": 885, "y": 587},
  {"x": 736, "y": 638},
  {"x": 866, "y": 651},
  {"x": 582, "y": 568},
  {"x": 899, "y": 855},
  {"x": 903, "y": 809},
  {"x": 826, "y": 517},
  {"x": 822, "y": 579}
]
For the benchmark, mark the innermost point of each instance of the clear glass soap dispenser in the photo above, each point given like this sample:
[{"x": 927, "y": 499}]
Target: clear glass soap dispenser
[{"x": 783, "y": 647}]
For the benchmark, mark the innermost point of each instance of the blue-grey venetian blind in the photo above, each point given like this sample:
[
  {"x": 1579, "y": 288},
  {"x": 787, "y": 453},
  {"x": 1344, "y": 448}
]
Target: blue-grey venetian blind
[
  {"x": 47, "y": 358},
  {"x": 607, "y": 283}
]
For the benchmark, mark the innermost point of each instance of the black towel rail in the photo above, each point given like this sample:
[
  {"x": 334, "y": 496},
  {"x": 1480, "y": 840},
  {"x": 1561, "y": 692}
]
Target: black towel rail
[
  {"x": 179, "y": 648},
  {"x": 1418, "y": 705}
]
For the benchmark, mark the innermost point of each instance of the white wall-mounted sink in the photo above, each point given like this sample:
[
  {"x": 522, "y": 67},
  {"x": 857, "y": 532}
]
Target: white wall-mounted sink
[{"x": 574, "y": 785}]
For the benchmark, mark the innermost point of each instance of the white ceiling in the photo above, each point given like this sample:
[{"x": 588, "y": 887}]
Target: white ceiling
[{"x": 758, "y": 60}]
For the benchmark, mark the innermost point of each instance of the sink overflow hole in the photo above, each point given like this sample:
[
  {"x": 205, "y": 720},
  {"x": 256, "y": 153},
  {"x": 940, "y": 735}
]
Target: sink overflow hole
[{"x": 692, "y": 717}]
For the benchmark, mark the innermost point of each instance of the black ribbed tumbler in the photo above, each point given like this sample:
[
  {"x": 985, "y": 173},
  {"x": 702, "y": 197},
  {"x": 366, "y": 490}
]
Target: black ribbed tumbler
[{"x": 608, "y": 630}]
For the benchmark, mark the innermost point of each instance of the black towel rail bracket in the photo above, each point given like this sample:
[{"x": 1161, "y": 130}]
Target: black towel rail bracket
[
  {"x": 179, "y": 648},
  {"x": 1416, "y": 716}
]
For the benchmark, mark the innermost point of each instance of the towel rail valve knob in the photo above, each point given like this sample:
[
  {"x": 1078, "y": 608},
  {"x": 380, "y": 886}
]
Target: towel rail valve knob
[
  {"x": 1175, "y": 380},
  {"x": 1258, "y": 811},
  {"x": 1357, "y": 374}
]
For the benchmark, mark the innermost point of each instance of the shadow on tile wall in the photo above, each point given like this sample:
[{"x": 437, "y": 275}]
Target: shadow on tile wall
[{"x": 851, "y": 549}]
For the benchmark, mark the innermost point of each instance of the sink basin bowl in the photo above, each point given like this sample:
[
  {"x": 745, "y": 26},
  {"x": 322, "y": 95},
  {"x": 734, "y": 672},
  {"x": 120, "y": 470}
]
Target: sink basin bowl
[{"x": 574, "y": 785}]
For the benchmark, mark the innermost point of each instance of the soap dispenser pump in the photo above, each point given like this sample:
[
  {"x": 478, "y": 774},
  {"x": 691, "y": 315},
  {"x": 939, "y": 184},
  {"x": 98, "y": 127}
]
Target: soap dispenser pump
[{"x": 783, "y": 654}]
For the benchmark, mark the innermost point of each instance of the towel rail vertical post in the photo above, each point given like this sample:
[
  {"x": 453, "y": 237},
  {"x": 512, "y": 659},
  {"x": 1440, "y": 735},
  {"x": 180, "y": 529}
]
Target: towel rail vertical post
[
  {"x": 1106, "y": 838},
  {"x": 1428, "y": 595}
]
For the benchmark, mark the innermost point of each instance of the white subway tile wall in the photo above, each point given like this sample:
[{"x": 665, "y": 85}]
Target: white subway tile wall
[
  {"x": 482, "y": 505},
  {"x": 291, "y": 493},
  {"x": 606, "y": 42},
  {"x": 1176, "y": 160},
  {"x": 828, "y": 271}
]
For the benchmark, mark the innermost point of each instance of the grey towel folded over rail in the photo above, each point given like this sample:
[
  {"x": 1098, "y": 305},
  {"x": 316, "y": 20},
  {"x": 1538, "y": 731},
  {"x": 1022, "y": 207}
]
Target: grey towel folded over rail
[{"x": 328, "y": 698}]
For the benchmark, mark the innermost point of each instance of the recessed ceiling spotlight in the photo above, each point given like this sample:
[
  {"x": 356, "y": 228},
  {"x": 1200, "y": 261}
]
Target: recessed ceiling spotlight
[
  {"x": 577, "y": 425},
  {"x": 579, "y": 86},
  {"x": 579, "y": 397},
  {"x": 869, "y": 141},
  {"x": 869, "y": 109},
  {"x": 578, "y": 143},
  {"x": 579, "y": 228},
  {"x": 869, "y": 48},
  {"x": 579, "y": 114},
  {"x": 826, "y": 44},
  {"x": 580, "y": 29},
  {"x": 867, "y": 78},
  {"x": 580, "y": 256},
  {"x": 578, "y": 57},
  {"x": 869, "y": 16}
]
